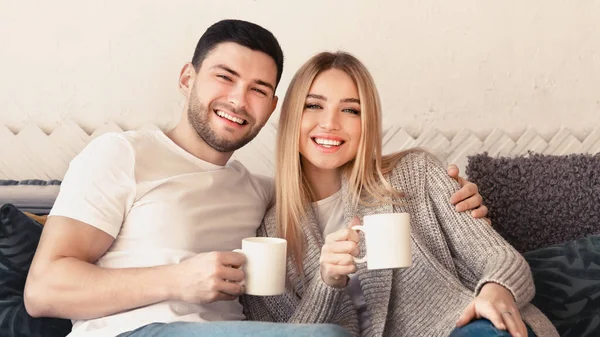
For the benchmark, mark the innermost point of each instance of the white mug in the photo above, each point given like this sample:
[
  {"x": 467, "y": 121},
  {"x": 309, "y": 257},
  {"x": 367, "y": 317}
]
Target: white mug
[
  {"x": 265, "y": 265},
  {"x": 387, "y": 237}
]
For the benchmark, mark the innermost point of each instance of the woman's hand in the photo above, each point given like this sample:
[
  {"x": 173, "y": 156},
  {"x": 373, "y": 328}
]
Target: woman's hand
[
  {"x": 337, "y": 255},
  {"x": 496, "y": 304}
]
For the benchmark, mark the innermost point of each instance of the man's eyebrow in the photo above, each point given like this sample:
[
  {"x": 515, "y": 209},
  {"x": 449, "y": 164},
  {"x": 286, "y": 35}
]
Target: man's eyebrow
[
  {"x": 266, "y": 84},
  {"x": 227, "y": 69},
  {"x": 236, "y": 74}
]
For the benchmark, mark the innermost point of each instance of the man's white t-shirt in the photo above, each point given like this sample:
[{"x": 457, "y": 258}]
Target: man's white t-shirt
[{"x": 162, "y": 205}]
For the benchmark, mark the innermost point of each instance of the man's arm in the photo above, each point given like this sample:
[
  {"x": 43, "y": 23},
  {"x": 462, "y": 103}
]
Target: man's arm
[
  {"x": 95, "y": 196},
  {"x": 64, "y": 282}
]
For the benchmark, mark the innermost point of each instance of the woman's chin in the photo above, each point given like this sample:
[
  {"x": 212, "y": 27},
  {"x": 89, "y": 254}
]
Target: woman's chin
[{"x": 326, "y": 165}]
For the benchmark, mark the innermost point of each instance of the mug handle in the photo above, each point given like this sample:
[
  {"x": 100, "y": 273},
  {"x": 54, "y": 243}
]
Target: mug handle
[
  {"x": 364, "y": 258},
  {"x": 243, "y": 283}
]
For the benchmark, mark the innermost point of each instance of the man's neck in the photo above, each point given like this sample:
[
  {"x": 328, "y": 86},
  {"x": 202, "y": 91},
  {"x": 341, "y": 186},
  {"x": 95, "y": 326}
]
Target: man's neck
[
  {"x": 323, "y": 183},
  {"x": 187, "y": 139}
]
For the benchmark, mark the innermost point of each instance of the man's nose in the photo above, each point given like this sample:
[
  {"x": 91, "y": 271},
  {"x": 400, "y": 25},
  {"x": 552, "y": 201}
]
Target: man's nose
[{"x": 237, "y": 96}]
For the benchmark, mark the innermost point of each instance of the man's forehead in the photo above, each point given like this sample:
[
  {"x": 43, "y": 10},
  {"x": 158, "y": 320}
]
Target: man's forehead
[{"x": 245, "y": 61}]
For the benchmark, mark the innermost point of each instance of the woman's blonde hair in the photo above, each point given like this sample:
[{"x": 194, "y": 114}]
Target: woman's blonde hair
[{"x": 365, "y": 173}]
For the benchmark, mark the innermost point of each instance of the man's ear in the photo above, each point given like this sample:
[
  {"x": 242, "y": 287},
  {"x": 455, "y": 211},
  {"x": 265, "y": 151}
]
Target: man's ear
[
  {"x": 274, "y": 103},
  {"x": 187, "y": 76}
]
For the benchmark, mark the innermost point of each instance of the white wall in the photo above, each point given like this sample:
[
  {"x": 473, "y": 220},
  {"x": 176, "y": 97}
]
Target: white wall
[{"x": 447, "y": 65}]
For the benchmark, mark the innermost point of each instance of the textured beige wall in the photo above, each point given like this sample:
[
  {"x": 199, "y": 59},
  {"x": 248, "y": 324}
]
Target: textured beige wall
[{"x": 446, "y": 65}]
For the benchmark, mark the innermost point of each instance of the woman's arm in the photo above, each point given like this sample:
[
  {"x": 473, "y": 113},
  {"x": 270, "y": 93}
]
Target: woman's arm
[
  {"x": 475, "y": 246},
  {"x": 319, "y": 302}
]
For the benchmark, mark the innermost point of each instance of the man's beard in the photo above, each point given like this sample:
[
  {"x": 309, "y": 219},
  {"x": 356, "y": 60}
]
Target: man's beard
[{"x": 198, "y": 117}]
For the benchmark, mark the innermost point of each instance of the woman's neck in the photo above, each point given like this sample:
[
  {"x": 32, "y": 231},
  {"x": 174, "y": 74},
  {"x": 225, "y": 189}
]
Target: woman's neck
[{"x": 323, "y": 183}]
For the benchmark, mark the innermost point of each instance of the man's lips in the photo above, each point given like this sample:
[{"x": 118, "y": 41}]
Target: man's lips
[{"x": 230, "y": 117}]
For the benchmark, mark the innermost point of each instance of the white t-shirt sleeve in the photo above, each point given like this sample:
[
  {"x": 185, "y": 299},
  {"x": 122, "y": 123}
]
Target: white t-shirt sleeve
[{"x": 99, "y": 186}]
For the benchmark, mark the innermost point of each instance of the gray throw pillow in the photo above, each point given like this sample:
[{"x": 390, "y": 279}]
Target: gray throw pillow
[{"x": 540, "y": 200}]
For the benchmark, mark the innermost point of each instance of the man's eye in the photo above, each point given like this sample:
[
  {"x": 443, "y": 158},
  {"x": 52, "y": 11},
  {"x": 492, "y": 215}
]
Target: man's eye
[
  {"x": 262, "y": 92},
  {"x": 225, "y": 77}
]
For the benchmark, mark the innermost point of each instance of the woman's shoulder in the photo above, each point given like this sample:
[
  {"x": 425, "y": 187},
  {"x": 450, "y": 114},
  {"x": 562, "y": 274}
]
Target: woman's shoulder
[
  {"x": 270, "y": 214},
  {"x": 412, "y": 167},
  {"x": 411, "y": 161},
  {"x": 269, "y": 223}
]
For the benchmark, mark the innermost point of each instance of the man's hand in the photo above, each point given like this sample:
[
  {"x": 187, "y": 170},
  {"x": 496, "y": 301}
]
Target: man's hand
[
  {"x": 468, "y": 197},
  {"x": 209, "y": 277},
  {"x": 337, "y": 255},
  {"x": 496, "y": 304}
]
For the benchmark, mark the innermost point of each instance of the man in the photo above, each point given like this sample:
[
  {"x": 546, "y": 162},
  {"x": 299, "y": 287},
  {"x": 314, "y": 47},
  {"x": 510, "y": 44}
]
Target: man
[{"x": 142, "y": 230}]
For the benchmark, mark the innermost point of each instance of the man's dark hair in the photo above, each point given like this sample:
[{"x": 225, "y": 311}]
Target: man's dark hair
[{"x": 244, "y": 33}]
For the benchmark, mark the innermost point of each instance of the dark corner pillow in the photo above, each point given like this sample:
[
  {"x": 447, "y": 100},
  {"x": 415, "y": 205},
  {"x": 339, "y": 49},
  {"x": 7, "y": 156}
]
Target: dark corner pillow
[
  {"x": 536, "y": 201},
  {"x": 567, "y": 281},
  {"x": 19, "y": 237}
]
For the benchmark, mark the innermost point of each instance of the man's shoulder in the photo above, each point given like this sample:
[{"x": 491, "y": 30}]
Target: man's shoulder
[
  {"x": 135, "y": 142},
  {"x": 108, "y": 146},
  {"x": 143, "y": 137},
  {"x": 124, "y": 138},
  {"x": 117, "y": 148}
]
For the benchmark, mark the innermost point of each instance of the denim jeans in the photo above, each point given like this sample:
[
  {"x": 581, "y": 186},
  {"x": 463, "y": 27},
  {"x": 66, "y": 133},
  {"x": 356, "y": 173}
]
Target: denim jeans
[
  {"x": 483, "y": 328},
  {"x": 236, "y": 329}
]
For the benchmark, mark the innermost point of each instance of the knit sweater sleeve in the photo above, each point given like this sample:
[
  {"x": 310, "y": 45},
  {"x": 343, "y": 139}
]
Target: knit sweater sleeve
[
  {"x": 475, "y": 245},
  {"x": 317, "y": 302}
]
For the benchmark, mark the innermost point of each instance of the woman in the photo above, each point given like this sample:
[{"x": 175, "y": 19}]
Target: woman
[{"x": 465, "y": 279}]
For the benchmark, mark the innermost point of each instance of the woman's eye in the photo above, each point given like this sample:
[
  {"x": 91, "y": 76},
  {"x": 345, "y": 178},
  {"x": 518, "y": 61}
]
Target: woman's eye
[
  {"x": 312, "y": 106},
  {"x": 352, "y": 111}
]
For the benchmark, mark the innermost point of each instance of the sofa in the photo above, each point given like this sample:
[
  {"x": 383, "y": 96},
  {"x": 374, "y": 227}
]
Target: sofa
[{"x": 547, "y": 207}]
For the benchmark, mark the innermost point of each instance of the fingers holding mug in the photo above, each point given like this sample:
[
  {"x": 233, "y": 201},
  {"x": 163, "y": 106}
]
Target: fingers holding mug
[
  {"x": 336, "y": 260},
  {"x": 359, "y": 228}
]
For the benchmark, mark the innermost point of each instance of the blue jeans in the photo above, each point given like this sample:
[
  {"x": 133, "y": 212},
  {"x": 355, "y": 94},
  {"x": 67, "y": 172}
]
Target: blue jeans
[
  {"x": 483, "y": 328},
  {"x": 236, "y": 329}
]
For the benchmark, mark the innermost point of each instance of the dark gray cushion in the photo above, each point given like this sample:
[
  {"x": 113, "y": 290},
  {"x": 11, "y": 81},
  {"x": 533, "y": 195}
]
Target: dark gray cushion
[
  {"x": 19, "y": 237},
  {"x": 567, "y": 282},
  {"x": 540, "y": 200}
]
